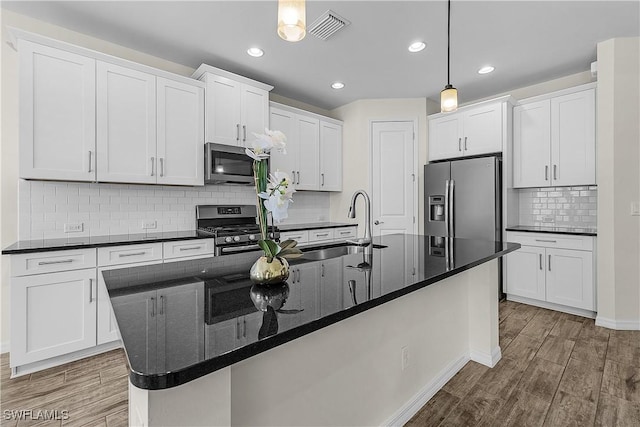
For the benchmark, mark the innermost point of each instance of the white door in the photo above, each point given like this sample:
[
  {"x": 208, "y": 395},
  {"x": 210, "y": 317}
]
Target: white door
[
  {"x": 255, "y": 113},
  {"x": 56, "y": 314},
  {"x": 394, "y": 198},
  {"x": 308, "y": 172},
  {"x": 222, "y": 124},
  {"x": 126, "y": 125},
  {"x": 532, "y": 144},
  {"x": 180, "y": 133},
  {"x": 285, "y": 122},
  {"x": 526, "y": 273},
  {"x": 445, "y": 137},
  {"x": 330, "y": 157},
  {"x": 57, "y": 114},
  {"x": 482, "y": 130},
  {"x": 573, "y": 139},
  {"x": 570, "y": 278}
]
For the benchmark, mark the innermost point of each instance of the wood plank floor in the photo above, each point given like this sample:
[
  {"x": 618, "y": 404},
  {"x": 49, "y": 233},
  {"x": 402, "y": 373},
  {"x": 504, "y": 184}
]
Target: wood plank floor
[{"x": 557, "y": 370}]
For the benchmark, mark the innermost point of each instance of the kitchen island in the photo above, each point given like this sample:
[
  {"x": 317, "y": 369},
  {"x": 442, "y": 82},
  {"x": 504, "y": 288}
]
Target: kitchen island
[{"x": 353, "y": 338}]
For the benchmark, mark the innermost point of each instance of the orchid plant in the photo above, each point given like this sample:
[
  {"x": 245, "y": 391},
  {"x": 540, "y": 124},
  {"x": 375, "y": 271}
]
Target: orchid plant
[{"x": 274, "y": 193}]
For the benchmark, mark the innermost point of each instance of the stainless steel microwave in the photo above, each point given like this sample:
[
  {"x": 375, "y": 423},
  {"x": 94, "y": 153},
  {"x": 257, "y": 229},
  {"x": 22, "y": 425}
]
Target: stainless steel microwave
[{"x": 227, "y": 164}]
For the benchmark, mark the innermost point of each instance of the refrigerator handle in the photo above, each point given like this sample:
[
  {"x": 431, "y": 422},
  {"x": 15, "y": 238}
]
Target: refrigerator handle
[
  {"x": 452, "y": 209},
  {"x": 446, "y": 208}
]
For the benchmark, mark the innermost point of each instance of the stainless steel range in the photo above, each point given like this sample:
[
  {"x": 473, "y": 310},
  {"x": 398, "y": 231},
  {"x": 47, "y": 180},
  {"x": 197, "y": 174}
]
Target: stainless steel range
[{"x": 234, "y": 227}]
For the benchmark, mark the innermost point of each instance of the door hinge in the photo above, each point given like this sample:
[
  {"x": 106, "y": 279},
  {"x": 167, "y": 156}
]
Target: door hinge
[
  {"x": 413, "y": 177},
  {"x": 414, "y": 219}
]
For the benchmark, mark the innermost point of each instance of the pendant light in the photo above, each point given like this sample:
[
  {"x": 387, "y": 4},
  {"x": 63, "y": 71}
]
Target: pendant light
[
  {"x": 292, "y": 20},
  {"x": 449, "y": 95}
]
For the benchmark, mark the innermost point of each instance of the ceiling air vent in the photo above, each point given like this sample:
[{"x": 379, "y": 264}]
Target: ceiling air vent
[{"x": 327, "y": 25}]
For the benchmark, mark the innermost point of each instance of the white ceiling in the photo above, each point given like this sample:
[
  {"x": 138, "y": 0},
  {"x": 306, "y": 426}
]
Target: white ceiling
[{"x": 527, "y": 41}]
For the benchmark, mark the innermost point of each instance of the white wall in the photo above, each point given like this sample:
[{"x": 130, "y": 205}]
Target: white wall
[{"x": 618, "y": 128}]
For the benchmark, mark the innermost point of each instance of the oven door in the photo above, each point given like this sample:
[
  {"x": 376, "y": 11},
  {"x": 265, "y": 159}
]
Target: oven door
[{"x": 226, "y": 164}]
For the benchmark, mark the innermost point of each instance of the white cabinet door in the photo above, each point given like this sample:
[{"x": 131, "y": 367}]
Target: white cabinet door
[
  {"x": 570, "y": 278},
  {"x": 526, "y": 272},
  {"x": 285, "y": 122},
  {"x": 308, "y": 172},
  {"x": 331, "y": 292},
  {"x": 107, "y": 327},
  {"x": 54, "y": 314},
  {"x": 180, "y": 121},
  {"x": 482, "y": 130},
  {"x": 126, "y": 125},
  {"x": 532, "y": 144},
  {"x": 445, "y": 137},
  {"x": 180, "y": 326},
  {"x": 57, "y": 114},
  {"x": 223, "y": 111},
  {"x": 307, "y": 280},
  {"x": 330, "y": 157},
  {"x": 255, "y": 113},
  {"x": 221, "y": 337},
  {"x": 573, "y": 139}
]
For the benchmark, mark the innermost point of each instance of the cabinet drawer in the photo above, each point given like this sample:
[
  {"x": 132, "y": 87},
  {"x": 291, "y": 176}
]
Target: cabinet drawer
[
  {"x": 116, "y": 255},
  {"x": 51, "y": 262},
  {"x": 321, "y": 235},
  {"x": 301, "y": 236},
  {"x": 188, "y": 248},
  {"x": 563, "y": 241},
  {"x": 345, "y": 233}
]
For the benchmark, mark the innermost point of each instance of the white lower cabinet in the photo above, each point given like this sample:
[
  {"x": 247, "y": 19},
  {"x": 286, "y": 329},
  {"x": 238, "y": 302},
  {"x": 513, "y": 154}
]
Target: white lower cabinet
[
  {"x": 552, "y": 271},
  {"x": 331, "y": 294},
  {"x": 53, "y": 314}
]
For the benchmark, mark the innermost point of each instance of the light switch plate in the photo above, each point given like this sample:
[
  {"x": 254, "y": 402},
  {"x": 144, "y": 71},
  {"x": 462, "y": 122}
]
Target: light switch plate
[
  {"x": 74, "y": 227},
  {"x": 635, "y": 208},
  {"x": 149, "y": 224}
]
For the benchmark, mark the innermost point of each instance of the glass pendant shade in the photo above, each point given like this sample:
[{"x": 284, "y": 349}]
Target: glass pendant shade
[
  {"x": 449, "y": 99},
  {"x": 292, "y": 25}
]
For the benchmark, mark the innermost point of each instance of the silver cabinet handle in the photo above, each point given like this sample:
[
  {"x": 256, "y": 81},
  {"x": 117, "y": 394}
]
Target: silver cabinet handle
[
  {"x": 322, "y": 177},
  {"x": 62, "y": 261},
  {"x": 465, "y": 143},
  {"x": 153, "y": 161},
  {"x": 546, "y": 173},
  {"x": 452, "y": 212},
  {"x": 244, "y": 133},
  {"x": 459, "y": 144},
  {"x": 153, "y": 307},
  {"x": 298, "y": 172},
  {"x": 546, "y": 241},
  {"x": 549, "y": 265},
  {"x": 161, "y": 166},
  {"x": 238, "y": 132},
  {"x": 192, "y": 248},
  {"x": 555, "y": 172},
  {"x": 161, "y": 305},
  {"x": 293, "y": 177},
  {"x": 322, "y": 235},
  {"x": 238, "y": 329},
  {"x": 344, "y": 233},
  {"x": 376, "y": 222},
  {"x": 90, "y": 156},
  {"x": 90, "y": 290},
  {"x": 244, "y": 327},
  {"x": 131, "y": 254},
  {"x": 322, "y": 270},
  {"x": 446, "y": 208},
  {"x": 540, "y": 261}
]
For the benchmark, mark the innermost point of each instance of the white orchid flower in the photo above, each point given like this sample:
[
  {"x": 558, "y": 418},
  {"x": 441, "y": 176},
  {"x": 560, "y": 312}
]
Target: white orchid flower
[
  {"x": 278, "y": 207},
  {"x": 278, "y": 139},
  {"x": 255, "y": 155}
]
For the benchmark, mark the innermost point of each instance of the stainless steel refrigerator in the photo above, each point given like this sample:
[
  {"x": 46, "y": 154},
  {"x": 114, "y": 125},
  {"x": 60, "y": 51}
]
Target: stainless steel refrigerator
[{"x": 463, "y": 198}]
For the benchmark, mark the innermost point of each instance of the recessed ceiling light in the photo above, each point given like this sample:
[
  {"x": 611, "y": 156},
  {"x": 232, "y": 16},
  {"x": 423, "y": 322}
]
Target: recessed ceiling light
[
  {"x": 486, "y": 70},
  {"x": 417, "y": 46},
  {"x": 337, "y": 85},
  {"x": 256, "y": 52}
]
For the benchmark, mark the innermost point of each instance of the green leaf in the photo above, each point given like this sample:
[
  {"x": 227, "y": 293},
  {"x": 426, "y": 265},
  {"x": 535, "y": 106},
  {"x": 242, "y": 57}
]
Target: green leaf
[
  {"x": 290, "y": 253},
  {"x": 288, "y": 244},
  {"x": 273, "y": 247},
  {"x": 265, "y": 247}
]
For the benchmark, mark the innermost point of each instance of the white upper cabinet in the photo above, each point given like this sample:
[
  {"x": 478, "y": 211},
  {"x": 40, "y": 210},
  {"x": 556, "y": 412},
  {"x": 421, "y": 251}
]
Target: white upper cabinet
[
  {"x": 330, "y": 156},
  {"x": 236, "y": 106},
  {"x": 554, "y": 139},
  {"x": 126, "y": 125},
  {"x": 314, "y": 148},
  {"x": 180, "y": 133},
  {"x": 482, "y": 128},
  {"x": 445, "y": 141},
  {"x": 57, "y": 114}
]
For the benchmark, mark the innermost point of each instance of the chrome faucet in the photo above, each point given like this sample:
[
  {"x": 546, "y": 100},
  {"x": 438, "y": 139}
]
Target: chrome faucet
[{"x": 366, "y": 240}]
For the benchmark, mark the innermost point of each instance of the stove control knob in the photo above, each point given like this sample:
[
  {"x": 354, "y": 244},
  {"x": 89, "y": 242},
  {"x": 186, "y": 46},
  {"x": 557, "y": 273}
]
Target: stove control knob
[
  {"x": 236, "y": 238},
  {"x": 228, "y": 239},
  {"x": 271, "y": 235},
  {"x": 252, "y": 237}
]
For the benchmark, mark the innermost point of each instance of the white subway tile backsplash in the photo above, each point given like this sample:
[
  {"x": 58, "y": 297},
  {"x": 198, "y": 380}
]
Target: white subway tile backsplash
[
  {"x": 559, "y": 206},
  {"x": 109, "y": 209}
]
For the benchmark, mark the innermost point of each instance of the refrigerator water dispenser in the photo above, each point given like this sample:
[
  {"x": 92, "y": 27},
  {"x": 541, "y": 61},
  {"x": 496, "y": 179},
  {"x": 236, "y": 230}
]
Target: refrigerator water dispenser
[{"x": 436, "y": 208}]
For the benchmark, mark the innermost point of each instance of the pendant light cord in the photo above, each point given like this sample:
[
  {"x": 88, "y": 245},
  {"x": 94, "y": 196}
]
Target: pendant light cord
[{"x": 448, "y": 40}]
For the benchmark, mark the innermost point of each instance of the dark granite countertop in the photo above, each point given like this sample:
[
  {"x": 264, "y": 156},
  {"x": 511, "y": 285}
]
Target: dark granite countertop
[
  {"x": 313, "y": 226},
  {"x": 45, "y": 245},
  {"x": 183, "y": 320},
  {"x": 578, "y": 231}
]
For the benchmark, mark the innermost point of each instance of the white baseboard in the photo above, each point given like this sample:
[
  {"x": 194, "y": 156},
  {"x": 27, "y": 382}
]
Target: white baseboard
[
  {"x": 620, "y": 325},
  {"x": 487, "y": 359},
  {"x": 409, "y": 409},
  {"x": 551, "y": 306},
  {"x": 5, "y": 347}
]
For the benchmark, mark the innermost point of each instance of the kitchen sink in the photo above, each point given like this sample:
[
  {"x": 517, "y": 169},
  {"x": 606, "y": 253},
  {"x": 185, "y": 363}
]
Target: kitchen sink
[{"x": 336, "y": 251}]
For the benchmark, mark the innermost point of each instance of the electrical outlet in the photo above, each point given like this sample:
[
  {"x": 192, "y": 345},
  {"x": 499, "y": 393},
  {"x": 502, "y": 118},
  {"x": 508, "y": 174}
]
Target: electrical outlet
[
  {"x": 405, "y": 357},
  {"x": 149, "y": 224},
  {"x": 635, "y": 208},
  {"x": 74, "y": 227},
  {"x": 547, "y": 219}
]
